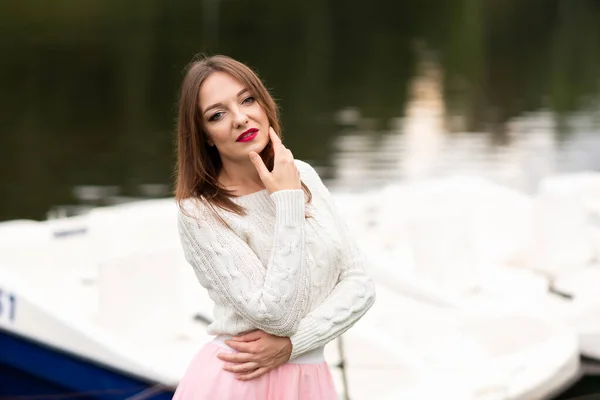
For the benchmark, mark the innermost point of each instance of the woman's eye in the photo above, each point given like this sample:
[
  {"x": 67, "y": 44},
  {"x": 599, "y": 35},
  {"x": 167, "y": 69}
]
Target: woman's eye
[
  {"x": 248, "y": 100},
  {"x": 216, "y": 116}
]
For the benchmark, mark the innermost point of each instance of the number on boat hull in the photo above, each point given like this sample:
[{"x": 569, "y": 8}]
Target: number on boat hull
[{"x": 8, "y": 306}]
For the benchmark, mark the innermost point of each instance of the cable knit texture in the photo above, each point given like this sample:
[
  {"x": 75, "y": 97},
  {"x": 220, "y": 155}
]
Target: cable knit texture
[{"x": 275, "y": 270}]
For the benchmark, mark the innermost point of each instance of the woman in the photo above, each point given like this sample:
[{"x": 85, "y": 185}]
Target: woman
[{"x": 262, "y": 234}]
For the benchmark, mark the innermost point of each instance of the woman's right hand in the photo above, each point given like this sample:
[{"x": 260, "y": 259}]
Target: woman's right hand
[{"x": 285, "y": 174}]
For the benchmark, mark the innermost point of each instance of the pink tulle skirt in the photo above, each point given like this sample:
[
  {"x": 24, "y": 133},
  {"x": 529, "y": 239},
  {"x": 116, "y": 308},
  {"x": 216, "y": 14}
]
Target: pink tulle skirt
[{"x": 205, "y": 379}]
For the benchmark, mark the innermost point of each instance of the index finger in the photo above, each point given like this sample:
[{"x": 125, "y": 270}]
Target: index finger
[
  {"x": 274, "y": 137},
  {"x": 249, "y": 337},
  {"x": 242, "y": 347}
]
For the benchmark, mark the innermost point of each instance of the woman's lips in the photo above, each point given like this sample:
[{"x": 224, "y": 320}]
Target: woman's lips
[{"x": 248, "y": 135}]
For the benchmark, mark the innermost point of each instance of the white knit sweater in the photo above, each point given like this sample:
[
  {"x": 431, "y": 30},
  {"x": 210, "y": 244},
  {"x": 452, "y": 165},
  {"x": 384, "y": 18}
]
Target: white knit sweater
[{"x": 275, "y": 270}]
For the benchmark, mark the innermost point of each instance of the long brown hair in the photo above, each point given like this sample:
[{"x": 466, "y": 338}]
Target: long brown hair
[{"x": 198, "y": 163}]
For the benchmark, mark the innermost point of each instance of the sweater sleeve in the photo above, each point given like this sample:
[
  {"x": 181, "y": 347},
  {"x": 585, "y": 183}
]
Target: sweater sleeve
[
  {"x": 349, "y": 300},
  {"x": 273, "y": 297}
]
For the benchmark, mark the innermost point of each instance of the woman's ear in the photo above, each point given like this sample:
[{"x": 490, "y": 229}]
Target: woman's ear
[{"x": 208, "y": 139}]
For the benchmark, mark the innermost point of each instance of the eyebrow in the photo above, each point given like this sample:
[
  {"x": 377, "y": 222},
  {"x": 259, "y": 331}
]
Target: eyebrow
[{"x": 220, "y": 104}]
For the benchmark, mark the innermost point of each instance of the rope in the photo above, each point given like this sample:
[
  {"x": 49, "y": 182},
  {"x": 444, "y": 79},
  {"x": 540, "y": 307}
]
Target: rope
[
  {"x": 342, "y": 367},
  {"x": 149, "y": 392}
]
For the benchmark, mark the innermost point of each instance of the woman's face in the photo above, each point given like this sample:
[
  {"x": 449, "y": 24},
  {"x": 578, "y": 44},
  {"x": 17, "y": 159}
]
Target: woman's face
[{"x": 232, "y": 118}]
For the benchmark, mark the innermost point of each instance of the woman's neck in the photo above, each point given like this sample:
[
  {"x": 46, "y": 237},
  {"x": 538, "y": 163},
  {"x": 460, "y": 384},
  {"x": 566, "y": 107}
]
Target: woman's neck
[{"x": 241, "y": 178}]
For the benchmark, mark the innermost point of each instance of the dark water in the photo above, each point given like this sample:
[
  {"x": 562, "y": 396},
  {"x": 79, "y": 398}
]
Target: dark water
[
  {"x": 88, "y": 90},
  {"x": 369, "y": 91}
]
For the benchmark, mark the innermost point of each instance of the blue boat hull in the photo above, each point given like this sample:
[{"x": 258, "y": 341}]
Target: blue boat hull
[{"x": 29, "y": 368}]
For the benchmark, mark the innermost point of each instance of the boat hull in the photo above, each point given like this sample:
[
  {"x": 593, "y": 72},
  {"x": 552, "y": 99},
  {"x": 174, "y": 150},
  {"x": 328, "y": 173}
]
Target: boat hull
[{"x": 30, "y": 368}]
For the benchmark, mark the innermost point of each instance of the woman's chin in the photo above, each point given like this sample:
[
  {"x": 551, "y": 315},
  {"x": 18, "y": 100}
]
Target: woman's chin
[{"x": 257, "y": 147}]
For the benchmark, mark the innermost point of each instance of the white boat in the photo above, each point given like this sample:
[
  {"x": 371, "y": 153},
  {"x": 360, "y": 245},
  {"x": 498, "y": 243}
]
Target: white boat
[
  {"x": 466, "y": 240},
  {"x": 504, "y": 354},
  {"x": 50, "y": 341},
  {"x": 118, "y": 312},
  {"x": 566, "y": 247}
]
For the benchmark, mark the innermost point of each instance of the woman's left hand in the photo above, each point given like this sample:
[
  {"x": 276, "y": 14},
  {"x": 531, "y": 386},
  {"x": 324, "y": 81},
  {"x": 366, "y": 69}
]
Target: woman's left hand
[{"x": 259, "y": 353}]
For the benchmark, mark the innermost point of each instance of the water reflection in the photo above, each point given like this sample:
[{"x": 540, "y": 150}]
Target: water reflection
[
  {"x": 421, "y": 145},
  {"x": 409, "y": 149},
  {"x": 423, "y": 125},
  {"x": 533, "y": 152},
  {"x": 508, "y": 89}
]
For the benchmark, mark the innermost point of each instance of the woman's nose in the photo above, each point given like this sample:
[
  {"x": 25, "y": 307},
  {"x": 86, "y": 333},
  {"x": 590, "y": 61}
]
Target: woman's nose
[{"x": 239, "y": 118}]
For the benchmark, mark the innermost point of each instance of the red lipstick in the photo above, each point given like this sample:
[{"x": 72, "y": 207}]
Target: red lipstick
[{"x": 248, "y": 135}]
